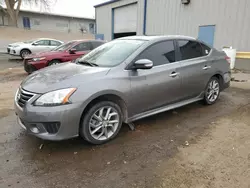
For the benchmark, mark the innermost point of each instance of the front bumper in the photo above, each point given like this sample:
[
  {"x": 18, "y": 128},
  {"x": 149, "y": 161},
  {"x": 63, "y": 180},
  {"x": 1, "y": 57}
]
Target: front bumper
[
  {"x": 49, "y": 123},
  {"x": 31, "y": 66},
  {"x": 13, "y": 51}
]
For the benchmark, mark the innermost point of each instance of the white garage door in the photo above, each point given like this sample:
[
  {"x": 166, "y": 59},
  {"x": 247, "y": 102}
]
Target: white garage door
[{"x": 125, "y": 19}]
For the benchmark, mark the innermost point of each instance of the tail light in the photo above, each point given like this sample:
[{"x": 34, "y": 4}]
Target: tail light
[{"x": 228, "y": 59}]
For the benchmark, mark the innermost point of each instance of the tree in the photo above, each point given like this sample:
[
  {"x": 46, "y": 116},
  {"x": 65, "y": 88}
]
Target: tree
[{"x": 13, "y": 7}]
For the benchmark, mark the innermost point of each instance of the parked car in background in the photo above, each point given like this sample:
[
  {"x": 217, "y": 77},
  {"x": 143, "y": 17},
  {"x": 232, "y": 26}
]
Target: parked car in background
[
  {"x": 121, "y": 81},
  {"x": 23, "y": 49},
  {"x": 64, "y": 53}
]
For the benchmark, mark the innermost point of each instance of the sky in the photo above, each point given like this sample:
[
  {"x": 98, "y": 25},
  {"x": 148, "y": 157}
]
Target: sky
[{"x": 79, "y": 8}]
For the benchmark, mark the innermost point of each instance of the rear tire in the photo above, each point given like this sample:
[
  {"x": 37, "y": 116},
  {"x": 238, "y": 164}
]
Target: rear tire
[
  {"x": 212, "y": 91},
  {"x": 24, "y": 53},
  {"x": 101, "y": 123}
]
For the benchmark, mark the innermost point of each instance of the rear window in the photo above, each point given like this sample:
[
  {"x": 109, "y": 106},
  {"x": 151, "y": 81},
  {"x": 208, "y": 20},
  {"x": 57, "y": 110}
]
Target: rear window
[
  {"x": 190, "y": 49},
  {"x": 205, "y": 49}
]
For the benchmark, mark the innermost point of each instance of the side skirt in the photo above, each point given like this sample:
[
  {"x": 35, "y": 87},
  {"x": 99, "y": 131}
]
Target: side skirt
[{"x": 164, "y": 108}]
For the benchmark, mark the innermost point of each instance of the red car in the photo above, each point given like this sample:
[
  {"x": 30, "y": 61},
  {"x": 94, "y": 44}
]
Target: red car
[{"x": 64, "y": 53}]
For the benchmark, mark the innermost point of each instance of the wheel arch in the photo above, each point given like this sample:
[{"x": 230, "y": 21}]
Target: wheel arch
[
  {"x": 112, "y": 96},
  {"x": 219, "y": 76},
  {"x": 25, "y": 49}
]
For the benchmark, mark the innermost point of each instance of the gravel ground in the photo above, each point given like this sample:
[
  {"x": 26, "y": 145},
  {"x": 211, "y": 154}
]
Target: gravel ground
[{"x": 194, "y": 146}]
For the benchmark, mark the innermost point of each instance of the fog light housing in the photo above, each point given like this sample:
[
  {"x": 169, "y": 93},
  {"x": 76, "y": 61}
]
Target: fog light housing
[{"x": 34, "y": 129}]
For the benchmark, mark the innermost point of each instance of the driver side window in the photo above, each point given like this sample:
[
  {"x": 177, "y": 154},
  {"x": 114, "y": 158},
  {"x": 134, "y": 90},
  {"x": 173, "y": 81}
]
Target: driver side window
[{"x": 160, "y": 53}]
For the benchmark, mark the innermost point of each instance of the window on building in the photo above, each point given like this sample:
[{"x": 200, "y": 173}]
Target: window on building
[
  {"x": 62, "y": 25},
  {"x": 55, "y": 43},
  {"x": 84, "y": 46},
  {"x": 36, "y": 22},
  {"x": 160, "y": 53},
  {"x": 43, "y": 42},
  {"x": 190, "y": 49}
]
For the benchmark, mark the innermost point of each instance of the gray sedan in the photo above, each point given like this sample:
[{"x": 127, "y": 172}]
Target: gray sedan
[{"x": 119, "y": 82}]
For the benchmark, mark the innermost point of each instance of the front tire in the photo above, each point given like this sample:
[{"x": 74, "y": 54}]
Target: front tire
[
  {"x": 212, "y": 91},
  {"x": 24, "y": 53},
  {"x": 101, "y": 123}
]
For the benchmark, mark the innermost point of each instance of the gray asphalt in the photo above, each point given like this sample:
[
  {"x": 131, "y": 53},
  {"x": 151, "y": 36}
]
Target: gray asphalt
[
  {"x": 7, "y": 61},
  {"x": 4, "y": 44}
]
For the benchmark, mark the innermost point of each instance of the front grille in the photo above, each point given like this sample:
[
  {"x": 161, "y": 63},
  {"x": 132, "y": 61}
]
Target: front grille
[
  {"x": 23, "y": 97},
  {"x": 52, "y": 127}
]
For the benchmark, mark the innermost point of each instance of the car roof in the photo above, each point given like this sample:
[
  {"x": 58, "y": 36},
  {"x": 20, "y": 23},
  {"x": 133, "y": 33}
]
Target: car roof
[
  {"x": 153, "y": 38},
  {"x": 46, "y": 39},
  {"x": 86, "y": 40}
]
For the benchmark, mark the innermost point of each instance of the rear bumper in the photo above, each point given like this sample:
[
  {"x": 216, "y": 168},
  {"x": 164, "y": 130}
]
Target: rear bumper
[{"x": 226, "y": 80}]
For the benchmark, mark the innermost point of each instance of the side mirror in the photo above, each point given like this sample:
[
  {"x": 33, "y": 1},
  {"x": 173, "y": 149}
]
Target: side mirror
[
  {"x": 34, "y": 44},
  {"x": 72, "y": 51},
  {"x": 143, "y": 64}
]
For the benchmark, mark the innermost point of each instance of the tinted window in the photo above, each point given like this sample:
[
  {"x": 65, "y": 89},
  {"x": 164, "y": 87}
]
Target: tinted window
[
  {"x": 64, "y": 46},
  {"x": 190, "y": 49},
  {"x": 55, "y": 43},
  {"x": 84, "y": 46},
  {"x": 43, "y": 42},
  {"x": 205, "y": 49},
  {"x": 95, "y": 44},
  {"x": 160, "y": 53}
]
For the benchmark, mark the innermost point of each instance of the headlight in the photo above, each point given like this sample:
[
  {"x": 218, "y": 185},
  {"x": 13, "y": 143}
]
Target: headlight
[
  {"x": 39, "y": 58},
  {"x": 15, "y": 46},
  {"x": 55, "y": 98}
]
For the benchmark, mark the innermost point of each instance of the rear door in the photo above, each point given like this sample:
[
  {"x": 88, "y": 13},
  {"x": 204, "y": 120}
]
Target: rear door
[
  {"x": 54, "y": 44},
  {"x": 192, "y": 63},
  {"x": 160, "y": 85}
]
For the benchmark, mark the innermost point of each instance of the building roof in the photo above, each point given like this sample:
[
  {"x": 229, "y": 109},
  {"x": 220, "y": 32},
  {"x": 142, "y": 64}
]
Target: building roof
[
  {"x": 55, "y": 14},
  {"x": 106, "y": 3}
]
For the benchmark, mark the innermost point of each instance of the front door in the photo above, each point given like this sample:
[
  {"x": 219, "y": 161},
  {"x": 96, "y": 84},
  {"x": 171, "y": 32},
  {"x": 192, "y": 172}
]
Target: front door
[
  {"x": 158, "y": 86},
  {"x": 206, "y": 34},
  {"x": 81, "y": 49},
  {"x": 192, "y": 64},
  {"x": 41, "y": 46}
]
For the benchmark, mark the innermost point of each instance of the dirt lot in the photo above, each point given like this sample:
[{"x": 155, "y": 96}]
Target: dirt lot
[{"x": 194, "y": 146}]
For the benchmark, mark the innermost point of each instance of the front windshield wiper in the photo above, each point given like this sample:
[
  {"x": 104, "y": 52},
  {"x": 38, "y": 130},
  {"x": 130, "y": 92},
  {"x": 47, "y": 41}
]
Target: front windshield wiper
[{"x": 87, "y": 63}]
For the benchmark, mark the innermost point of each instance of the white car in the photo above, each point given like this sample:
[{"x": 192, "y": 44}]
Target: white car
[{"x": 23, "y": 49}]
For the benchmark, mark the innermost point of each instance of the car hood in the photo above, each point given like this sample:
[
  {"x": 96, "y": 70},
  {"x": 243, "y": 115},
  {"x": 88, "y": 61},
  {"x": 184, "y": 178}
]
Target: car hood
[
  {"x": 45, "y": 54},
  {"x": 16, "y": 43},
  {"x": 61, "y": 76}
]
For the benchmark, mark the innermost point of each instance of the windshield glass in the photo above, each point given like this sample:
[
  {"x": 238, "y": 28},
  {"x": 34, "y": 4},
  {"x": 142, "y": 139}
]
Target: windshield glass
[
  {"x": 29, "y": 41},
  {"x": 112, "y": 53},
  {"x": 63, "y": 47}
]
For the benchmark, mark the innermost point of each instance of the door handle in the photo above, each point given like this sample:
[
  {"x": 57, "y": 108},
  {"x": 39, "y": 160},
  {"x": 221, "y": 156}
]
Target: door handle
[
  {"x": 174, "y": 74},
  {"x": 206, "y": 67}
]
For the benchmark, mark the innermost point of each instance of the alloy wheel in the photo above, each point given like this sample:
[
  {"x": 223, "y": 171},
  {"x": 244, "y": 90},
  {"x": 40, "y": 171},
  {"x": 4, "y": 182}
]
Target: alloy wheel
[
  {"x": 104, "y": 123},
  {"x": 213, "y": 90}
]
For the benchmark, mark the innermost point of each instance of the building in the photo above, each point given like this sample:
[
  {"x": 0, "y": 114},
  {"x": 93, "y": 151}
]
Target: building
[
  {"x": 51, "y": 22},
  {"x": 217, "y": 22}
]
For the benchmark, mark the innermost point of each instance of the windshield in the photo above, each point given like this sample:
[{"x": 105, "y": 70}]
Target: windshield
[
  {"x": 29, "y": 41},
  {"x": 63, "y": 47},
  {"x": 112, "y": 53}
]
